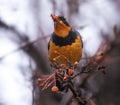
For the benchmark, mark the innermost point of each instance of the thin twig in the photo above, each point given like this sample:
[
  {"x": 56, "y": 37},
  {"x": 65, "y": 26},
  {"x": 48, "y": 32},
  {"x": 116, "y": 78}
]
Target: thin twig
[{"x": 23, "y": 46}]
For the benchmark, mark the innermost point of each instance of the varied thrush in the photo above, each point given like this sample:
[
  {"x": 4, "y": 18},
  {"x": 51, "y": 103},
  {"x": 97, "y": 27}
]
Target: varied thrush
[{"x": 65, "y": 45}]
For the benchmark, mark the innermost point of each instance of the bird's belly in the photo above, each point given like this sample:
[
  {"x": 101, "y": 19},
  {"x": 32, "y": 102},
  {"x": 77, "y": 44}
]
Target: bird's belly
[{"x": 64, "y": 54}]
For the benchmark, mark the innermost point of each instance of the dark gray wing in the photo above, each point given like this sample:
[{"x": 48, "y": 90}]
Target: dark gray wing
[{"x": 79, "y": 36}]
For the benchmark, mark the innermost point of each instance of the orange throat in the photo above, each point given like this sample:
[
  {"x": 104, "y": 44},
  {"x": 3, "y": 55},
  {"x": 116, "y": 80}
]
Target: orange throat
[{"x": 61, "y": 30}]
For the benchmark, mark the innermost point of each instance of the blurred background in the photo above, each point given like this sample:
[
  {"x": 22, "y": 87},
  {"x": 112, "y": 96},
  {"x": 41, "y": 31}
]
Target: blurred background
[{"x": 25, "y": 29}]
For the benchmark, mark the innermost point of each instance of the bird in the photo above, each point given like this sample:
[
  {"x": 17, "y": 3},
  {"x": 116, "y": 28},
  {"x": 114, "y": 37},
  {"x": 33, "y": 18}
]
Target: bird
[{"x": 65, "y": 45}]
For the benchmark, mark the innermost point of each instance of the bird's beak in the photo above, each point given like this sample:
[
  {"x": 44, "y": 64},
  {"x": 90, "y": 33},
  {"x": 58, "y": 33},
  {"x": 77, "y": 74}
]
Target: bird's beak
[{"x": 54, "y": 17}]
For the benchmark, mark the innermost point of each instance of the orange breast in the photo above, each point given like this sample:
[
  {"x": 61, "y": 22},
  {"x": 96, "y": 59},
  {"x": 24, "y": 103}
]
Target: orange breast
[{"x": 63, "y": 54}]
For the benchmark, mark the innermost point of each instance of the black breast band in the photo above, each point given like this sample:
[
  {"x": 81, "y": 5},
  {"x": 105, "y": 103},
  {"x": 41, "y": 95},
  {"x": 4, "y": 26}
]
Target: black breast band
[{"x": 60, "y": 41}]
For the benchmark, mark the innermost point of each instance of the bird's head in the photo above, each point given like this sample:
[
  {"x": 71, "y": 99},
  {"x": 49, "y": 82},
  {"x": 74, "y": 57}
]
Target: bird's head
[{"x": 61, "y": 26}]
